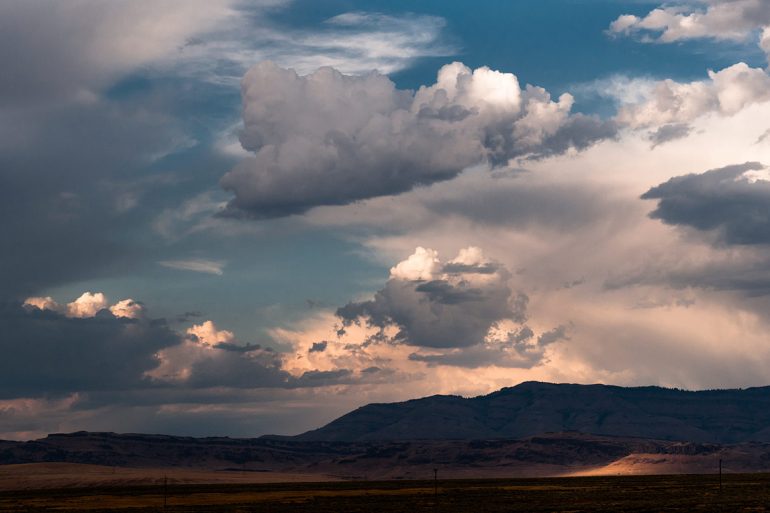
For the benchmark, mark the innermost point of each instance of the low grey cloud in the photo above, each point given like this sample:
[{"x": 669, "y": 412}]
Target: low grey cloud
[
  {"x": 47, "y": 353},
  {"x": 332, "y": 139},
  {"x": 519, "y": 349},
  {"x": 52, "y": 351},
  {"x": 733, "y": 202},
  {"x": 78, "y": 48},
  {"x": 441, "y": 306},
  {"x": 523, "y": 204},
  {"x": 318, "y": 347},
  {"x": 667, "y": 133}
]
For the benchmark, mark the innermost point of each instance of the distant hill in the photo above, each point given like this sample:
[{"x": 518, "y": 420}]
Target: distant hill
[
  {"x": 533, "y": 429},
  {"x": 533, "y": 408},
  {"x": 558, "y": 454}
]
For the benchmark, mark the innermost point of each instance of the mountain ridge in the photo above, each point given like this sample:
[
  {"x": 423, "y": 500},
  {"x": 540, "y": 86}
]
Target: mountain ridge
[{"x": 532, "y": 408}]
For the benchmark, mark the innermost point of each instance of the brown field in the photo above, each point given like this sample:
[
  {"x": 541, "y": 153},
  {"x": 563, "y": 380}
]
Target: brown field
[
  {"x": 138, "y": 490},
  {"x": 37, "y": 476}
]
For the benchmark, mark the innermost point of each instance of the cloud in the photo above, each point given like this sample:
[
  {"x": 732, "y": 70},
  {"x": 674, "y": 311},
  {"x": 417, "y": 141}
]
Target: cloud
[
  {"x": 423, "y": 264},
  {"x": 87, "y": 305},
  {"x": 127, "y": 308},
  {"x": 444, "y": 307},
  {"x": 211, "y": 357},
  {"x": 733, "y": 201},
  {"x": 668, "y": 133},
  {"x": 80, "y": 47},
  {"x": 726, "y": 92},
  {"x": 42, "y": 303},
  {"x": 734, "y": 20},
  {"x": 353, "y": 42},
  {"x": 90, "y": 346},
  {"x": 332, "y": 139},
  {"x": 197, "y": 265},
  {"x": 47, "y": 353},
  {"x": 517, "y": 348},
  {"x": 318, "y": 347},
  {"x": 208, "y": 334}
]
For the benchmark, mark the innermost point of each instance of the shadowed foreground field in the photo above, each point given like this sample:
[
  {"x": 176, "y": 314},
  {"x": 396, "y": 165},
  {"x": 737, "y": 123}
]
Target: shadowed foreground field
[{"x": 746, "y": 492}]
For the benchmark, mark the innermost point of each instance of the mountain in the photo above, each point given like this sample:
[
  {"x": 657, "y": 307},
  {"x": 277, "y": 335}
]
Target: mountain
[
  {"x": 534, "y": 408},
  {"x": 533, "y": 429}
]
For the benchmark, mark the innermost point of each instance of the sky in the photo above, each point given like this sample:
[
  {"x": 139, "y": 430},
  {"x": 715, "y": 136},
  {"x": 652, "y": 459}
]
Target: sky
[{"x": 232, "y": 217}]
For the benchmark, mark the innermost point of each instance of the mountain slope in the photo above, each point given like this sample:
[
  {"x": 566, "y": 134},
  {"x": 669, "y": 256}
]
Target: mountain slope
[{"x": 532, "y": 408}]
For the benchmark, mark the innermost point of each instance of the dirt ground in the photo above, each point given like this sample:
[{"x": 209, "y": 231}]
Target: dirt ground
[{"x": 684, "y": 493}]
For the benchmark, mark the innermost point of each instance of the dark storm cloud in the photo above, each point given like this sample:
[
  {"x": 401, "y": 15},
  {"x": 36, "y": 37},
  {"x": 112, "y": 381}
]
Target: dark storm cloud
[
  {"x": 46, "y": 353},
  {"x": 443, "y": 292},
  {"x": 224, "y": 368},
  {"x": 726, "y": 201},
  {"x": 63, "y": 207},
  {"x": 236, "y": 348},
  {"x": 333, "y": 139}
]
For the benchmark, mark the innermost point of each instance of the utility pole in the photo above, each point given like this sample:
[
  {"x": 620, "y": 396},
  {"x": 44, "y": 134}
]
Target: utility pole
[
  {"x": 435, "y": 484},
  {"x": 165, "y": 492},
  {"x": 720, "y": 475}
]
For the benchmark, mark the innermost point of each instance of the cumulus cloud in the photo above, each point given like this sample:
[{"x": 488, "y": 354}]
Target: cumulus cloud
[
  {"x": 331, "y": 139},
  {"x": 207, "y": 334},
  {"x": 452, "y": 305},
  {"x": 733, "y": 202},
  {"x": 734, "y": 20},
  {"x": 212, "y": 357},
  {"x": 87, "y": 305},
  {"x": 209, "y": 356},
  {"x": 127, "y": 308},
  {"x": 89, "y": 346},
  {"x": 42, "y": 303},
  {"x": 726, "y": 92}
]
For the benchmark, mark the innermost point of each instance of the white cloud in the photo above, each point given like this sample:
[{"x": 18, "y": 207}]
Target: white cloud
[
  {"x": 735, "y": 20},
  {"x": 87, "y": 305},
  {"x": 353, "y": 42},
  {"x": 127, "y": 308},
  {"x": 207, "y": 334},
  {"x": 726, "y": 92},
  {"x": 43, "y": 303},
  {"x": 198, "y": 265},
  {"x": 423, "y": 264}
]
